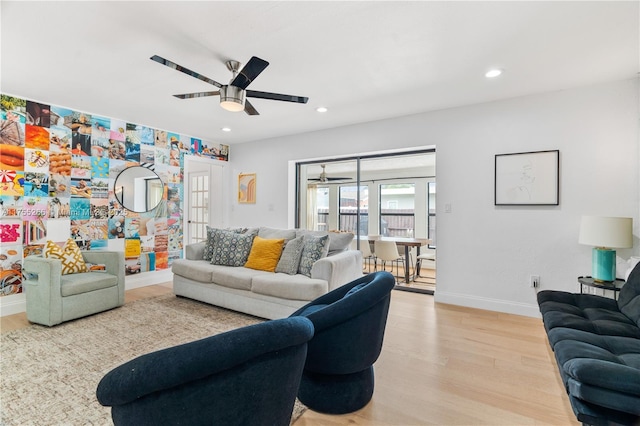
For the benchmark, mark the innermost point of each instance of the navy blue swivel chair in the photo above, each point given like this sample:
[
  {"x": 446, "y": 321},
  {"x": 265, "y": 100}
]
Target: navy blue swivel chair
[
  {"x": 247, "y": 376},
  {"x": 349, "y": 325}
]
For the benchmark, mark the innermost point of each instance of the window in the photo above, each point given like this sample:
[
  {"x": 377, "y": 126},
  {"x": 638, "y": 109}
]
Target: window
[
  {"x": 397, "y": 210},
  {"x": 318, "y": 201},
  {"x": 349, "y": 201}
]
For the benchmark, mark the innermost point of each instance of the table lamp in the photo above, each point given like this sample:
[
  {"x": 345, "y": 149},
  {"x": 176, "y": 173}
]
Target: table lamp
[{"x": 605, "y": 234}]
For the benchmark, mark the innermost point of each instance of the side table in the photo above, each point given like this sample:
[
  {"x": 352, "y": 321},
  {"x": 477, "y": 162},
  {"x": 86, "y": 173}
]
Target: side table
[{"x": 613, "y": 286}]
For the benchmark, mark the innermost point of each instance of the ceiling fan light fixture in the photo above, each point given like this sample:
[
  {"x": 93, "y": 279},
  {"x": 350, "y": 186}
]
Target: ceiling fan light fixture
[
  {"x": 233, "y": 95},
  {"x": 232, "y": 98}
]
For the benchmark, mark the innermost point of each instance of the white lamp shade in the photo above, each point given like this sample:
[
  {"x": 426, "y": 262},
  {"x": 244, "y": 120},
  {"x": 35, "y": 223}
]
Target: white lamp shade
[{"x": 612, "y": 232}]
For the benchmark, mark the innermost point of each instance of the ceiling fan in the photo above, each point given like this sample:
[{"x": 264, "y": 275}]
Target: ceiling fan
[
  {"x": 323, "y": 178},
  {"x": 233, "y": 96}
]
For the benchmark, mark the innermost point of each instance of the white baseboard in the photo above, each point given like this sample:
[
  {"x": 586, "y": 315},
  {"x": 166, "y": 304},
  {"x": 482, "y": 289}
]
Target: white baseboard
[
  {"x": 16, "y": 303},
  {"x": 486, "y": 303},
  {"x": 13, "y": 304},
  {"x": 144, "y": 279}
]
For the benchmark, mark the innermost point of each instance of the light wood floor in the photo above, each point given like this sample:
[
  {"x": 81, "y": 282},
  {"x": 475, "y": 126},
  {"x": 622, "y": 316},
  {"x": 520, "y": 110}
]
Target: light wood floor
[
  {"x": 446, "y": 365},
  {"x": 426, "y": 281}
]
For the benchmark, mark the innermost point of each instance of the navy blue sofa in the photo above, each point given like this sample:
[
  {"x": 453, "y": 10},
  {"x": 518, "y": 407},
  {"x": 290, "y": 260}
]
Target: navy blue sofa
[{"x": 596, "y": 342}]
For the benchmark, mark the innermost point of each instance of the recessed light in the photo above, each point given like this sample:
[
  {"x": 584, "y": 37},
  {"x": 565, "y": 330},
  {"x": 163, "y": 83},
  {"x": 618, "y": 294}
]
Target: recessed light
[
  {"x": 493, "y": 73},
  {"x": 226, "y": 129},
  {"x": 322, "y": 109}
]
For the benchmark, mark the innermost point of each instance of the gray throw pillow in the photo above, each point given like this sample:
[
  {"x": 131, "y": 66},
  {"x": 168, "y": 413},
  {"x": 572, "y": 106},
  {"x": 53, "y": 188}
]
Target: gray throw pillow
[
  {"x": 276, "y": 234},
  {"x": 231, "y": 248},
  {"x": 339, "y": 241},
  {"x": 290, "y": 258},
  {"x": 314, "y": 248}
]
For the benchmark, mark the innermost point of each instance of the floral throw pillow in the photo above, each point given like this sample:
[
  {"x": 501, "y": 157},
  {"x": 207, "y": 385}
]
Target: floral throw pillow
[
  {"x": 232, "y": 248},
  {"x": 313, "y": 248},
  {"x": 70, "y": 256}
]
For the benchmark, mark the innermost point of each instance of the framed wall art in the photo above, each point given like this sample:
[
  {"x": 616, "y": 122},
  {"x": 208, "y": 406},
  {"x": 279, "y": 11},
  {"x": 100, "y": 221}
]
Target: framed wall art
[
  {"x": 247, "y": 188},
  {"x": 527, "y": 179}
]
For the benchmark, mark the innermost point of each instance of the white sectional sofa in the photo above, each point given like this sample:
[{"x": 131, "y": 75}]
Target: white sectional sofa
[{"x": 260, "y": 293}]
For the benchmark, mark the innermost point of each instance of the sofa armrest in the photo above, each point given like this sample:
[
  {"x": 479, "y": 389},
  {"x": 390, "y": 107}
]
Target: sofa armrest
[
  {"x": 43, "y": 295},
  {"x": 338, "y": 269},
  {"x": 194, "y": 251},
  {"x": 114, "y": 265}
]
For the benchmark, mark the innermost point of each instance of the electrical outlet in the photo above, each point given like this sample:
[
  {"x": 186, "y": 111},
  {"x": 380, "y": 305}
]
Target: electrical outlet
[{"x": 534, "y": 281}]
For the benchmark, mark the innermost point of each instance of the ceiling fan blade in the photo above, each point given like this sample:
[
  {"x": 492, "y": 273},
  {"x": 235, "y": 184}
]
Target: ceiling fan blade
[
  {"x": 187, "y": 71},
  {"x": 328, "y": 179},
  {"x": 249, "y": 109},
  {"x": 277, "y": 96},
  {"x": 197, "y": 95},
  {"x": 249, "y": 72}
]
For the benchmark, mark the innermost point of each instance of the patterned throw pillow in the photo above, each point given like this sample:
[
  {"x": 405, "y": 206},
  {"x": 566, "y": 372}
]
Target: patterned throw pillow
[
  {"x": 209, "y": 244},
  {"x": 290, "y": 258},
  {"x": 70, "y": 256},
  {"x": 314, "y": 248},
  {"x": 264, "y": 254},
  {"x": 231, "y": 248}
]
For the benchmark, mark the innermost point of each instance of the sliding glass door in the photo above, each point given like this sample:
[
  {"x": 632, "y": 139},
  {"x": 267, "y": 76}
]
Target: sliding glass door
[{"x": 390, "y": 195}]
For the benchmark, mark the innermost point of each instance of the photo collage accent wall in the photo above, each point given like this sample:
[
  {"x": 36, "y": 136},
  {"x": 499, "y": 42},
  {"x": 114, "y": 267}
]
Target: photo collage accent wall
[{"x": 57, "y": 173}]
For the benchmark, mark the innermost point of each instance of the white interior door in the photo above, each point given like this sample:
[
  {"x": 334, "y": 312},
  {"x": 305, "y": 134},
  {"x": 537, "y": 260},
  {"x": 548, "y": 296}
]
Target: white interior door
[
  {"x": 204, "y": 184},
  {"x": 198, "y": 217}
]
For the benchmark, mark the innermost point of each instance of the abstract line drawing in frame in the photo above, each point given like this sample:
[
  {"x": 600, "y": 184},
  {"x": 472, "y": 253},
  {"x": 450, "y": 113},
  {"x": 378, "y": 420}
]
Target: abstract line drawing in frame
[
  {"x": 527, "y": 179},
  {"x": 247, "y": 188}
]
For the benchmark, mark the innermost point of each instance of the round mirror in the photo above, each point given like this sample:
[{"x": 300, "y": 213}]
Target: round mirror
[{"x": 138, "y": 189}]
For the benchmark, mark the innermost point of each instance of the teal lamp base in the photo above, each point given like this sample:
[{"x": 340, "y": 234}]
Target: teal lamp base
[{"x": 603, "y": 264}]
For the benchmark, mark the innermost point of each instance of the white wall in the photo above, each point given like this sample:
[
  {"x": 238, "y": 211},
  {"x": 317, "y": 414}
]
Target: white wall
[{"x": 486, "y": 253}]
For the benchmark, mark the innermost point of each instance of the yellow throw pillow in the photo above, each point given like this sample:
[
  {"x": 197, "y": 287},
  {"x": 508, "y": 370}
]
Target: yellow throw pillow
[
  {"x": 264, "y": 254},
  {"x": 70, "y": 256}
]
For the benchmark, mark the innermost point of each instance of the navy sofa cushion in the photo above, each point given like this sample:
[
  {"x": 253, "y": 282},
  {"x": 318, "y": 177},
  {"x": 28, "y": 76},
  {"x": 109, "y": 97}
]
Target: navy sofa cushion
[
  {"x": 587, "y": 312},
  {"x": 629, "y": 299}
]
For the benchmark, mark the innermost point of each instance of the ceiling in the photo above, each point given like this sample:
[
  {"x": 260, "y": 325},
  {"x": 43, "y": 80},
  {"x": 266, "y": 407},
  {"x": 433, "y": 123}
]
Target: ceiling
[{"x": 363, "y": 60}]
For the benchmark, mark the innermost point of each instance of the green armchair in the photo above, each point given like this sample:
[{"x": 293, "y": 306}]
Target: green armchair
[{"x": 53, "y": 298}]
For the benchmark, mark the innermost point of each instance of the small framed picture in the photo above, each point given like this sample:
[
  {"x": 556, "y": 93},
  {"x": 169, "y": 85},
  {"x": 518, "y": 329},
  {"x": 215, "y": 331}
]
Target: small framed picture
[
  {"x": 247, "y": 188},
  {"x": 527, "y": 179}
]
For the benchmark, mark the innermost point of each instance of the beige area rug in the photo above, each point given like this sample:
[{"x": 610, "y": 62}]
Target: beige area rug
[{"x": 48, "y": 376}]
